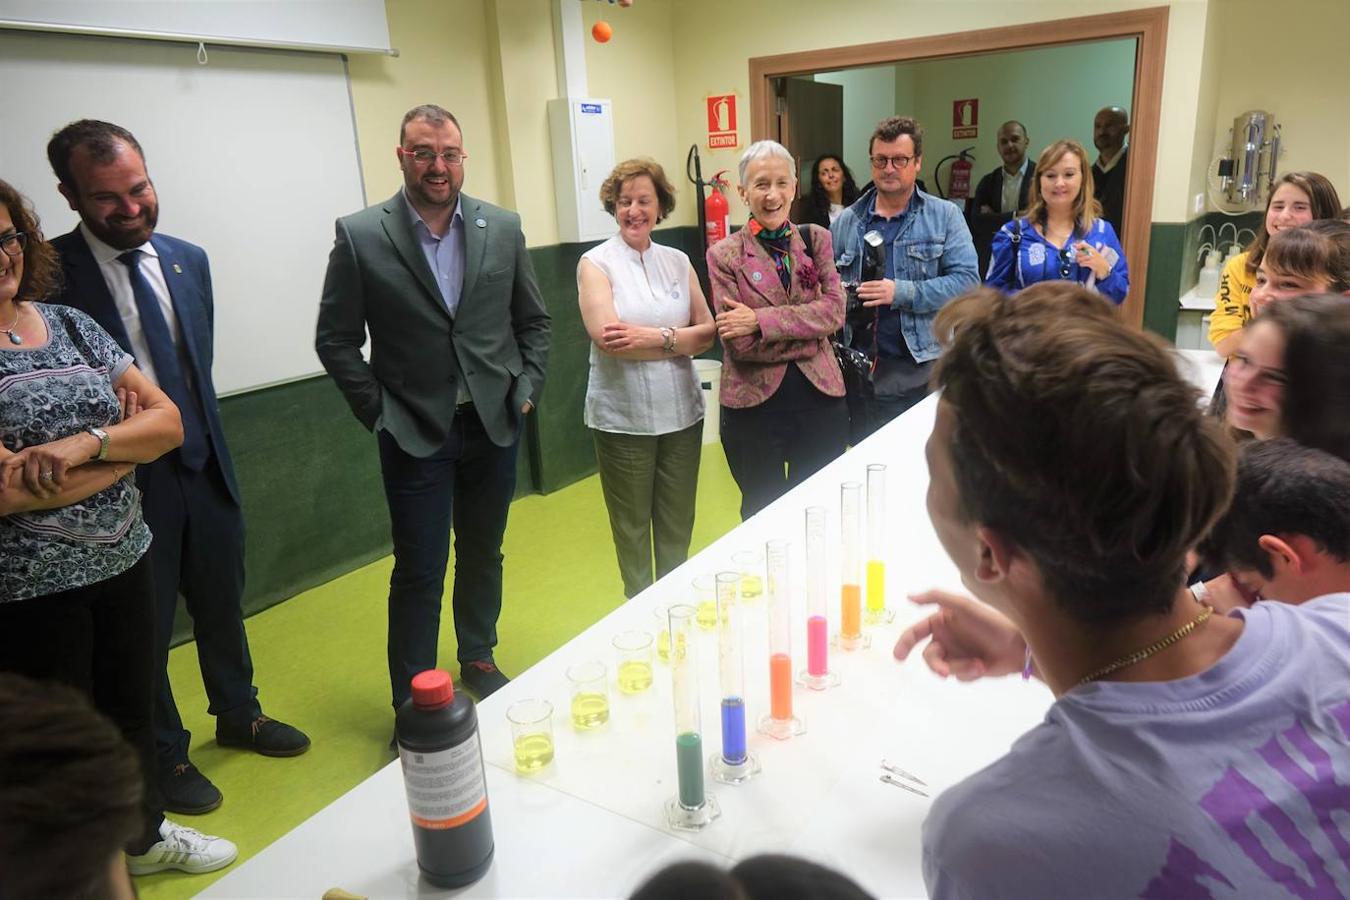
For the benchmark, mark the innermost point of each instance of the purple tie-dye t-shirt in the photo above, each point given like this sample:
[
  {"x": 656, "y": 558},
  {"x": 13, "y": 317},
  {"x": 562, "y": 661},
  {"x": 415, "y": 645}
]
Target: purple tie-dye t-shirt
[{"x": 1234, "y": 783}]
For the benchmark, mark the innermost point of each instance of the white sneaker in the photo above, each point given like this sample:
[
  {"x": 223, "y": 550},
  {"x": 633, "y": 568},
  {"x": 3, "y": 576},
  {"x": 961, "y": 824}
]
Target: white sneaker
[{"x": 185, "y": 849}]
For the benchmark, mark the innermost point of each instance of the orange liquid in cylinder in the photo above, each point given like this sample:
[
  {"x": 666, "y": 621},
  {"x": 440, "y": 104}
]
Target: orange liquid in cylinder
[
  {"x": 850, "y": 623},
  {"x": 780, "y": 686}
]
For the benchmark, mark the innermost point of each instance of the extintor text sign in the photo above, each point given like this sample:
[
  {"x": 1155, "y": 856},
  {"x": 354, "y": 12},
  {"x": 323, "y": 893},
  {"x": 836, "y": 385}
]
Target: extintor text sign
[
  {"x": 965, "y": 118},
  {"x": 722, "y": 134}
]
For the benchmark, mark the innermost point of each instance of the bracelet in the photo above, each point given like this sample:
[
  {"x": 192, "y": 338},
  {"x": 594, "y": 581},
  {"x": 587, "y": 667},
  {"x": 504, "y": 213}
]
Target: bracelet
[{"x": 668, "y": 339}]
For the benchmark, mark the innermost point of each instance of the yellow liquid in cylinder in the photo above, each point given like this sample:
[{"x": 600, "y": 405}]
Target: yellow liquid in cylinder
[
  {"x": 876, "y": 585},
  {"x": 589, "y": 710},
  {"x": 533, "y": 752},
  {"x": 635, "y": 676},
  {"x": 752, "y": 586}
]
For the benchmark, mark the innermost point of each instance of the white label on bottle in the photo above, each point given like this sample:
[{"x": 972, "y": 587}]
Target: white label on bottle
[{"x": 446, "y": 788}]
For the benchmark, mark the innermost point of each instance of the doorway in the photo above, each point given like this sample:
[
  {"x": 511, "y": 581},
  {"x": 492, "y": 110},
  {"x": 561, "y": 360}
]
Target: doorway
[{"x": 1146, "y": 28}]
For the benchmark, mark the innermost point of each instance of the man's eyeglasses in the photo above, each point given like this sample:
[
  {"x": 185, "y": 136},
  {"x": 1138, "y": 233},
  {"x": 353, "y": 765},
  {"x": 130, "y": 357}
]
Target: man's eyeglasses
[
  {"x": 426, "y": 157},
  {"x": 13, "y": 244},
  {"x": 885, "y": 162}
]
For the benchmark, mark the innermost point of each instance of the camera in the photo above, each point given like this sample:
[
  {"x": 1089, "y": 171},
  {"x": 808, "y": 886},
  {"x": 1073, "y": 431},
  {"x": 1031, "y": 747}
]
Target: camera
[{"x": 873, "y": 266}]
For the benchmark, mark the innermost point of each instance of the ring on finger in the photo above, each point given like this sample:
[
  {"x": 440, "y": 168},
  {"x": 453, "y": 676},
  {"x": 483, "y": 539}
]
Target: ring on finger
[{"x": 47, "y": 475}]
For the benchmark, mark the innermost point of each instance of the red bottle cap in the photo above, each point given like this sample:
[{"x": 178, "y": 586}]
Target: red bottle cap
[{"x": 432, "y": 689}]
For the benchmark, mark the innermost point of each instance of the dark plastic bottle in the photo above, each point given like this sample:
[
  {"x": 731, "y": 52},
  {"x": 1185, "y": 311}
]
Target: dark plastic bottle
[{"x": 442, "y": 758}]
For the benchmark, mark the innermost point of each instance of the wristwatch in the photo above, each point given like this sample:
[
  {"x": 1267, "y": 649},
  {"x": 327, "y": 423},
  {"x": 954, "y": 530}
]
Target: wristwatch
[{"x": 103, "y": 442}]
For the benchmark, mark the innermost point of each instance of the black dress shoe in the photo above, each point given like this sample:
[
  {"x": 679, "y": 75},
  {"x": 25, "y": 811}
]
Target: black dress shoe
[
  {"x": 186, "y": 790},
  {"x": 482, "y": 677},
  {"x": 263, "y": 735}
]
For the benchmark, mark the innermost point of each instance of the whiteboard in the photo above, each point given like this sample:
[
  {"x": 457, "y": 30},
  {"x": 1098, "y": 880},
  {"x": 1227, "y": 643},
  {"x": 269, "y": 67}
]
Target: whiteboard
[
  {"x": 302, "y": 24},
  {"x": 253, "y": 157}
]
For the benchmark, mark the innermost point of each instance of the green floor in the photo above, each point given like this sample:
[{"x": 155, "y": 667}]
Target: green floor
[{"x": 319, "y": 659}]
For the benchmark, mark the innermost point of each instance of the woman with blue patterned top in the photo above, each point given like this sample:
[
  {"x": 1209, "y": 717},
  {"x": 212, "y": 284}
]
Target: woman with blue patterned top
[
  {"x": 76, "y": 600},
  {"x": 1062, "y": 235}
]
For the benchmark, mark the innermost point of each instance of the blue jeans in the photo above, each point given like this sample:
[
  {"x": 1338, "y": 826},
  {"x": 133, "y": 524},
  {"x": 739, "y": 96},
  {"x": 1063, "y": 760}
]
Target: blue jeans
[{"x": 468, "y": 482}]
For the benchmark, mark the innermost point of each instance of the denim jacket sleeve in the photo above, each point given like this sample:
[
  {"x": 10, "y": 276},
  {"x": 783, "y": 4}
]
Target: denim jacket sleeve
[
  {"x": 844, "y": 237},
  {"x": 958, "y": 270}
]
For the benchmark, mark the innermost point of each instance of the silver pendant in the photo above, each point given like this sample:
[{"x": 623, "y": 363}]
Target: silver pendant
[{"x": 14, "y": 338}]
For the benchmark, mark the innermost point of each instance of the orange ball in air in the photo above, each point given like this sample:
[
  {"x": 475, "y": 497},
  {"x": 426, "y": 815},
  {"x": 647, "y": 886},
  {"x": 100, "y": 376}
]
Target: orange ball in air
[{"x": 602, "y": 32}]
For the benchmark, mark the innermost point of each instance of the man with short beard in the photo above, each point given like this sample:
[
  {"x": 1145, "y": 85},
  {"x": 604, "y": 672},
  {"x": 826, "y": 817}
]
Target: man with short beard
[
  {"x": 1109, "y": 128},
  {"x": 458, "y": 340},
  {"x": 153, "y": 294}
]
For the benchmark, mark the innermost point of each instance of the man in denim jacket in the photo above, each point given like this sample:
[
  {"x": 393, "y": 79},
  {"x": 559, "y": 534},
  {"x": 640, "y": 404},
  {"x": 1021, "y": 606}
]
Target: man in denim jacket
[{"x": 930, "y": 259}]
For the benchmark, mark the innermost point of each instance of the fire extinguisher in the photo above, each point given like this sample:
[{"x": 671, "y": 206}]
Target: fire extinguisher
[
  {"x": 958, "y": 181},
  {"x": 716, "y": 210},
  {"x": 959, "y": 186}
]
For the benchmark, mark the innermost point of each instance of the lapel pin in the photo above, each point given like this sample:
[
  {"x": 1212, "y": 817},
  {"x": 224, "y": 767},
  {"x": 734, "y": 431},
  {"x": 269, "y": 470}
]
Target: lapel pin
[
  {"x": 480, "y": 222},
  {"x": 178, "y": 270},
  {"x": 756, "y": 276}
]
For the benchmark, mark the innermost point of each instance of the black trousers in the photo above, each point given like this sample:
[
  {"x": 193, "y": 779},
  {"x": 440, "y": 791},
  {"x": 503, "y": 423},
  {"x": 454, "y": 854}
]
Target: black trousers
[
  {"x": 99, "y": 639},
  {"x": 198, "y": 551},
  {"x": 468, "y": 482},
  {"x": 778, "y": 444}
]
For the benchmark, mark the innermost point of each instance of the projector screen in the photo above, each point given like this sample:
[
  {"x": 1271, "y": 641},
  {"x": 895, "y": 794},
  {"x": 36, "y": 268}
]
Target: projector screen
[
  {"x": 253, "y": 156},
  {"x": 345, "y": 25}
]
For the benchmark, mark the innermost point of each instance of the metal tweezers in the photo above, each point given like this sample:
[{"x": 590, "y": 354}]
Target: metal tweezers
[{"x": 896, "y": 770}]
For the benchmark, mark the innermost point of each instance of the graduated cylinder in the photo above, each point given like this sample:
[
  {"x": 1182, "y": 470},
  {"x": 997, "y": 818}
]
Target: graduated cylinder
[
  {"x": 817, "y": 674},
  {"x": 692, "y": 807},
  {"x": 779, "y": 723},
  {"x": 851, "y": 636},
  {"x": 735, "y": 763},
  {"x": 877, "y": 613}
]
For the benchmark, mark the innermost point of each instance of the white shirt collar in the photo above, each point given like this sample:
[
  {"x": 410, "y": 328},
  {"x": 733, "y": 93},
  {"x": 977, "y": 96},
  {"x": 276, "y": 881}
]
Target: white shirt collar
[{"x": 103, "y": 253}]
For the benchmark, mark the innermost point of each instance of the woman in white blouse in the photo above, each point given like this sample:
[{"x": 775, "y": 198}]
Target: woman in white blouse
[{"x": 646, "y": 317}]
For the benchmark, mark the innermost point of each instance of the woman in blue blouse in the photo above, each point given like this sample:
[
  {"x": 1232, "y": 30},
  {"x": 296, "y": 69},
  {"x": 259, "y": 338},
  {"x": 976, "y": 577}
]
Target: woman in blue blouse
[
  {"x": 76, "y": 599},
  {"x": 1062, "y": 235}
]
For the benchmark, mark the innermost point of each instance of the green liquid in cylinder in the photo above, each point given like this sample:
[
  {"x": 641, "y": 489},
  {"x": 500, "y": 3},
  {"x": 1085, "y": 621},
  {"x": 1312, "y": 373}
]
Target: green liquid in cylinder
[{"x": 689, "y": 761}]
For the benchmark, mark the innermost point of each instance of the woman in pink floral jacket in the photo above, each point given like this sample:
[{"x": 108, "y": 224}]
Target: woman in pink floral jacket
[{"x": 777, "y": 301}]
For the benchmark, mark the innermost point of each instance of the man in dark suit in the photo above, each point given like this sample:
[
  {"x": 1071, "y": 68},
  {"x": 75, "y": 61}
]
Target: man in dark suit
[
  {"x": 1002, "y": 193},
  {"x": 459, "y": 339},
  {"x": 152, "y": 293},
  {"x": 1109, "y": 128}
]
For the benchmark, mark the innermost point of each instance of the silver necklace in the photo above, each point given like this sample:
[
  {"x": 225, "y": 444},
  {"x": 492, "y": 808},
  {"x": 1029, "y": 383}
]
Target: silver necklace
[{"x": 14, "y": 338}]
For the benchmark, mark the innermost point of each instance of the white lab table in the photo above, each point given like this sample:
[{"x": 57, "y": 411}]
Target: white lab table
[{"x": 592, "y": 824}]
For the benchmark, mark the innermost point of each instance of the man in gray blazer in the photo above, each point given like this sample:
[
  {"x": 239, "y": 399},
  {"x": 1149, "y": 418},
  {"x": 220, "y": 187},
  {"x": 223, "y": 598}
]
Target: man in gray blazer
[{"x": 458, "y": 343}]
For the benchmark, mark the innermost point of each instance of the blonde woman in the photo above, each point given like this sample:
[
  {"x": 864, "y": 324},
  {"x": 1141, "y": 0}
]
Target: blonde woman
[{"x": 1062, "y": 236}]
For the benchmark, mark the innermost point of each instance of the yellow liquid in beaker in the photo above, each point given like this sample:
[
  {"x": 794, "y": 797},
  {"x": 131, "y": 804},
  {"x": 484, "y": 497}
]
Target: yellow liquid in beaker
[
  {"x": 706, "y": 616},
  {"x": 752, "y": 586},
  {"x": 533, "y": 752},
  {"x": 589, "y": 710},
  {"x": 635, "y": 676}
]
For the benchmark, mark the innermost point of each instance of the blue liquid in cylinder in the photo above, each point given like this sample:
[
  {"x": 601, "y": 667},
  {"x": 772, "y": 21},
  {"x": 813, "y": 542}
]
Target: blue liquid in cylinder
[{"x": 733, "y": 730}]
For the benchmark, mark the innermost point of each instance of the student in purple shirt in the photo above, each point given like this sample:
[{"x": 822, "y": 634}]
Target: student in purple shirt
[{"x": 1188, "y": 754}]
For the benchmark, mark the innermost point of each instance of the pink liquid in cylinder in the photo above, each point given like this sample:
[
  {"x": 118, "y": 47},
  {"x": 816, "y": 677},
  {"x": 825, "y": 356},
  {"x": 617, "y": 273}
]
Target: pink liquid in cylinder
[{"x": 817, "y": 645}]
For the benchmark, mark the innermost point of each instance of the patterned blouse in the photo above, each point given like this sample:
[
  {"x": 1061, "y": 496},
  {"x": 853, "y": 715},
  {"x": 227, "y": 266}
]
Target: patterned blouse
[{"x": 49, "y": 392}]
